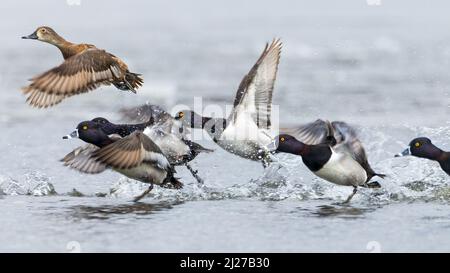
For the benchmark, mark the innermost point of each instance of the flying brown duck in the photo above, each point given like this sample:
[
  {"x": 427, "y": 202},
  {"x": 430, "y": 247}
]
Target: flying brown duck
[{"x": 85, "y": 68}]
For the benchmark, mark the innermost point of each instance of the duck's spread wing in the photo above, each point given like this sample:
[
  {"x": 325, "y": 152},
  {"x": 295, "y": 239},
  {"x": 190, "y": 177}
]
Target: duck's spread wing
[
  {"x": 348, "y": 142},
  {"x": 81, "y": 159},
  {"x": 130, "y": 152},
  {"x": 78, "y": 74},
  {"x": 158, "y": 115},
  {"x": 255, "y": 91},
  {"x": 313, "y": 133},
  {"x": 144, "y": 113}
]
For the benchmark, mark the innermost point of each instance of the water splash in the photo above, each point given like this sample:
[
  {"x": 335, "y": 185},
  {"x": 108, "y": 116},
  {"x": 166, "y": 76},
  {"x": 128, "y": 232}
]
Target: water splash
[{"x": 33, "y": 183}]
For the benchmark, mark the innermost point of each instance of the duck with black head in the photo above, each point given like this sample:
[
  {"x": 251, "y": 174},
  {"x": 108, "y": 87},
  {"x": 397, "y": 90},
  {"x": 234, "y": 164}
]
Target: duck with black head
[
  {"x": 423, "y": 147},
  {"x": 178, "y": 150},
  {"x": 85, "y": 68},
  {"x": 135, "y": 156},
  {"x": 248, "y": 128},
  {"x": 341, "y": 161}
]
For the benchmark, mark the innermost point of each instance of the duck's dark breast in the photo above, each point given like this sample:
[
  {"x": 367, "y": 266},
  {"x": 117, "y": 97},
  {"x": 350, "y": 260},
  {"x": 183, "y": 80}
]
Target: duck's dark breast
[
  {"x": 445, "y": 163},
  {"x": 316, "y": 157}
]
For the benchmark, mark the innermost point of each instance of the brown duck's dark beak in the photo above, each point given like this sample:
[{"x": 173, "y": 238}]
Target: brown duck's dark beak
[{"x": 32, "y": 36}]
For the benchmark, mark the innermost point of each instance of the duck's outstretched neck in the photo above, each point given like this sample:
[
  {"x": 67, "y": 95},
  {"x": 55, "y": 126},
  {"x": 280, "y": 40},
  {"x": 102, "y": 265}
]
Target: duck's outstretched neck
[
  {"x": 68, "y": 49},
  {"x": 294, "y": 147}
]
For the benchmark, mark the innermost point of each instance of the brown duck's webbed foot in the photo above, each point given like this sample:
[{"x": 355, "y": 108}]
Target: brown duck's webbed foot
[
  {"x": 124, "y": 86},
  {"x": 142, "y": 195},
  {"x": 355, "y": 189}
]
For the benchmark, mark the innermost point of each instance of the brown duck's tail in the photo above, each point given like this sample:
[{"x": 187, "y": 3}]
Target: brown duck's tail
[{"x": 131, "y": 82}]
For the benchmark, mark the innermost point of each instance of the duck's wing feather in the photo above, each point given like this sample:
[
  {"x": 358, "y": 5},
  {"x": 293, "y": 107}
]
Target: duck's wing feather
[
  {"x": 254, "y": 94},
  {"x": 156, "y": 113},
  {"x": 78, "y": 74},
  {"x": 312, "y": 133},
  {"x": 348, "y": 142},
  {"x": 341, "y": 136},
  {"x": 131, "y": 151},
  {"x": 81, "y": 160},
  {"x": 144, "y": 113}
]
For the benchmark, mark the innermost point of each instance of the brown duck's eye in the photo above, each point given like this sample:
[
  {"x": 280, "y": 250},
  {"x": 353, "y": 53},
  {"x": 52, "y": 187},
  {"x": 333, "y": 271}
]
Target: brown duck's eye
[
  {"x": 43, "y": 30},
  {"x": 282, "y": 139},
  {"x": 417, "y": 144},
  {"x": 85, "y": 127}
]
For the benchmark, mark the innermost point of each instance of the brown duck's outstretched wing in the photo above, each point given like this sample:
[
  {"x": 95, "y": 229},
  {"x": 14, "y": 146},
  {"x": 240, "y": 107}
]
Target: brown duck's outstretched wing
[
  {"x": 130, "y": 152},
  {"x": 81, "y": 160},
  {"x": 255, "y": 91},
  {"x": 78, "y": 74}
]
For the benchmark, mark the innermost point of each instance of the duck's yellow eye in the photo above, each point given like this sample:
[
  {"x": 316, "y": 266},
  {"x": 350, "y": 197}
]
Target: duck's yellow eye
[
  {"x": 282, "y": 139},
  {"x": 85, "y": 127},
  {"x": 181, "y": 114},
  {"x": 417, "y": 144}
]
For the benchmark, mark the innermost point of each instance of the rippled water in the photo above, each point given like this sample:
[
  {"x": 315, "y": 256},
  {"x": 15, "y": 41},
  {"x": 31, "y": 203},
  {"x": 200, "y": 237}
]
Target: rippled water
[{"x": 383, "y": 69}]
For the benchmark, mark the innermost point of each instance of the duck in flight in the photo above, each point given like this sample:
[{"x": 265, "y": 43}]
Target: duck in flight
[
  {"x": 135, "y": 156},
  {"x": 332, "y": 151},
  {"x": 246, "y": 131},
  {"x": 85, "y": 68},
  {"x": 423, "y": 147}
]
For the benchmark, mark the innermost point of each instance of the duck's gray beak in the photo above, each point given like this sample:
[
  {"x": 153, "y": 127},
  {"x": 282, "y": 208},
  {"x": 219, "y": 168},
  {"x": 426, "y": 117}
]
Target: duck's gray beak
[
  {"x": 74, "y": 134},
  {"x": 272, "y": 146},
  {"x": 406, "y": 152},
  {"x": 32, "y": 36}
]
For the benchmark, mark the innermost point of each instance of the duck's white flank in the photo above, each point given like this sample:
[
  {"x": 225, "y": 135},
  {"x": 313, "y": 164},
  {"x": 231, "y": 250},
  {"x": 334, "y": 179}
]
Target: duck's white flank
[{"x": 342, "y": 169}]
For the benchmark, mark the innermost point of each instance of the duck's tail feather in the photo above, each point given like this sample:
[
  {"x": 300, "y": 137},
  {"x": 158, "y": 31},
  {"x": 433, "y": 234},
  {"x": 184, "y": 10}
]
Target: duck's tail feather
[
  {"x": 131, "y": 82},
  {"x": 135, "y": 80},
  {"x": 371, "y": 174}
]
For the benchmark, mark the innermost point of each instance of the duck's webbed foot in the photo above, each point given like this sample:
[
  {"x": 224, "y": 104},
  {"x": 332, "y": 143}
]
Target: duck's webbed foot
[
  {"x": 355, "y": 190},
  {"x": 176, "y": 184},
  {"x": 121, "y": 86},
  {"x": 142, "y": 195},
  {"x": 194, "y": 174},
  {"x": 373, "y": 185}
]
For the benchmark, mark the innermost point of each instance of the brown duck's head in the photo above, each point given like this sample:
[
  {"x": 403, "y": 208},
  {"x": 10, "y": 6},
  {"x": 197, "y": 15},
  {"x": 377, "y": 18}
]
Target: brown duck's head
[{"x": 45, "y": 34}]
